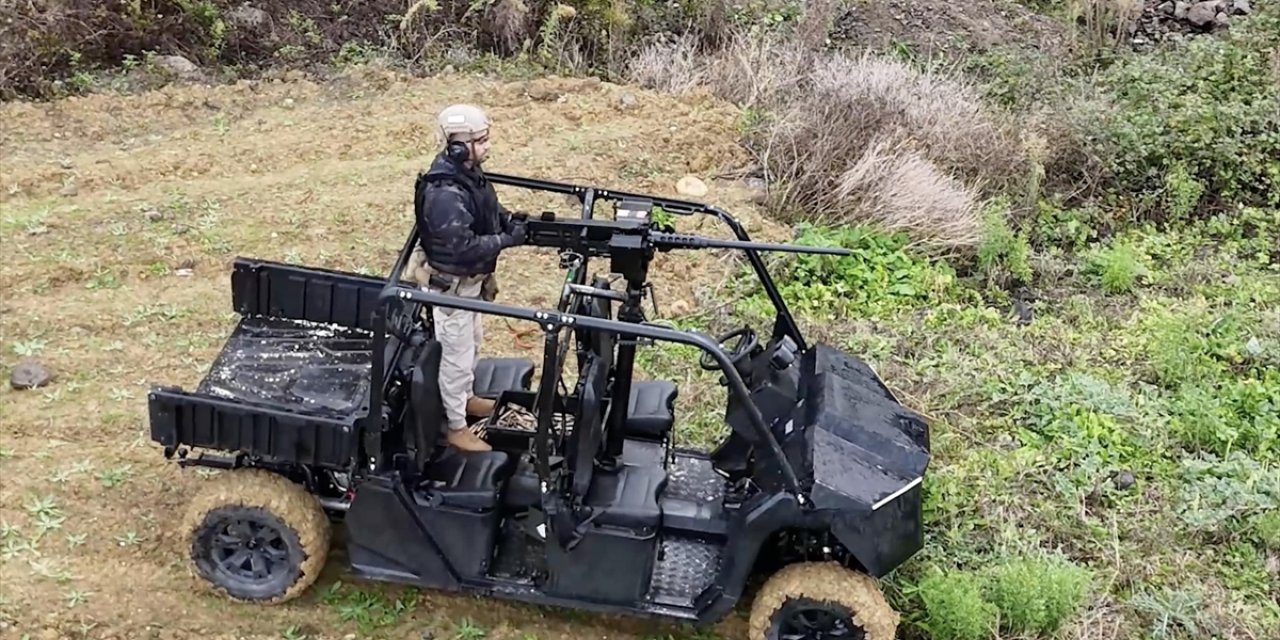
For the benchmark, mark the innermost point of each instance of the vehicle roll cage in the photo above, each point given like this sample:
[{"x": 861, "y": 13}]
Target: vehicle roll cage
[{"x": 552, "y": 321}]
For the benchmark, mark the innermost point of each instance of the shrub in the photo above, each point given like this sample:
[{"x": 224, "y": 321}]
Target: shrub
[
  {"x": 847, "y": 139},
  {"x": 1002, "y": 254},
  {"x": 1201, "y": 118},
  {"x": 1117, "y": 268},
  {"x": 1036, "y": 596},
  {"x": 880, "y": 275},
  {"x": 955, "y": 609}
]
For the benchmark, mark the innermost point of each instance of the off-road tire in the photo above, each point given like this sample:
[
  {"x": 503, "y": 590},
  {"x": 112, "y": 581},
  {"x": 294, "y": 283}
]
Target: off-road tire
[
  {"x": 292, "y": 518},
  {"x": 826, "y": 586}
]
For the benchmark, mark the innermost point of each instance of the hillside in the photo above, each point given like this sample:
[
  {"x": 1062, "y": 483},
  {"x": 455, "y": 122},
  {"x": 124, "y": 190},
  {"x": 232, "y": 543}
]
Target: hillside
[{"x": 1068, "y": 235}]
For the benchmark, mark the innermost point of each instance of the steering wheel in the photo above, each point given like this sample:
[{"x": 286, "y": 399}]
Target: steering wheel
[{"x": 741, "y": 349}]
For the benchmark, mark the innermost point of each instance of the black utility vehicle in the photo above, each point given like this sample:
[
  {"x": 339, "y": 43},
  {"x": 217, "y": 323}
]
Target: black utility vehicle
[{"x": 325, "y": 410}]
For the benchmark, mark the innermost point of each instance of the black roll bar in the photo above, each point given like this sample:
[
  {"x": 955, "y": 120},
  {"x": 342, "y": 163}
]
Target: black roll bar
[
  {"x": 589, "y": 195},
  {"x": 553, "y": 321}
]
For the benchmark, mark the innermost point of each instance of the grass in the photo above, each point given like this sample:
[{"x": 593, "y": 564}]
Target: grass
[{"x": 1090, "y": 463}]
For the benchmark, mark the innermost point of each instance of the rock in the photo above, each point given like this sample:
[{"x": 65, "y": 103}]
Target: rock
[
  {"x": 1202, "y": 14},
  {"x": 1166, "y": 8},
  {"x": 69, "y": 189},
  {"x": 543, "y": 93},
  {"x": 153, "y": 215},
  {"x": 178, "y": 65},
  {"x": 30, "y": 374},
  {"x": 1223, "y": 19},
  {"x": 627, "y": 101},
  {"x": 1124, "y": 480},
  {"x": 246, "y": 17},
  {"x": 691, "y": 186},
  {"x": 1242, "y": 7},
  {"x": 1180, "y": 9}
]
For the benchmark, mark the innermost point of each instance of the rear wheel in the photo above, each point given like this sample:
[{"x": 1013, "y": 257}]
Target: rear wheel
[
  {"x": 821, "y": 601},
  {"x": 255, "y": 536}
]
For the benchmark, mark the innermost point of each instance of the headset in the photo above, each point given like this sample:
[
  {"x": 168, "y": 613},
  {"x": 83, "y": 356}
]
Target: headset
[{"x": 458, "y": 151}]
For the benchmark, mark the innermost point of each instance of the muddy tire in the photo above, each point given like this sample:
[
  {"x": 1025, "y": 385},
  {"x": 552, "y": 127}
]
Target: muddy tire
[
  {"x": 254, "y": 536},
  {"x": 808, "y": 600}
]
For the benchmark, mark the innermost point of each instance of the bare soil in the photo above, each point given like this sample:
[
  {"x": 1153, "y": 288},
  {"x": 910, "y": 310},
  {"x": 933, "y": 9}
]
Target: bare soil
[{"x": 121, "y": 216}]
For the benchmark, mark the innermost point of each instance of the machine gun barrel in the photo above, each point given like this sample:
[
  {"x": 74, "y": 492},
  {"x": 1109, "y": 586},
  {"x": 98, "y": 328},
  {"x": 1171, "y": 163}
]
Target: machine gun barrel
[{"x": 664, "y": 241}]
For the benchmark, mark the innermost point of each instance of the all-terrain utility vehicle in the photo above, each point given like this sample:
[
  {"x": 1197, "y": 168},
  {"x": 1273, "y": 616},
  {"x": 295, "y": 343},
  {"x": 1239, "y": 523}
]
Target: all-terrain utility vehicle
[{"x": 324, "y": 410}]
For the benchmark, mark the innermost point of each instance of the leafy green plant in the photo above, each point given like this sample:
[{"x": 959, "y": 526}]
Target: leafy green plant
[
  {"x": 1002, "y": 253},
  {"x": 1117, "y": 267},
  {"x": 954, "y": 607},
  {"x": 1037, "y": 595},
  {"x": 881, "y": 274}
]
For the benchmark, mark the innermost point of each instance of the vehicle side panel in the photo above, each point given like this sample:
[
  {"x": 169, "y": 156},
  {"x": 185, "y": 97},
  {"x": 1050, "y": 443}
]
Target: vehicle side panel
[
  {"x": 287, "y": 291},
  {"x": 180, "y": 418}
]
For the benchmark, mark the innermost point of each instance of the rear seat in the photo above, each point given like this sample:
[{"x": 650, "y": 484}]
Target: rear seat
[{"x": 650, "y": 416}]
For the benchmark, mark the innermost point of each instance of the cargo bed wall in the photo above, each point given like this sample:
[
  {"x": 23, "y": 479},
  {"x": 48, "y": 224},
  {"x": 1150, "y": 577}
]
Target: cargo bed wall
[
  {"x": 280, "y": 290},
  {"x": 197, "y": 420}
]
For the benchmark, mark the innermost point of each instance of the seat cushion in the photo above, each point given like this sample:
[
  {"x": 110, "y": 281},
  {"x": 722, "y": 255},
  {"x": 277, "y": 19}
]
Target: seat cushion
[
  {"x": 652, "y": 409},
  {"x": 628, "y": 497},
  {"x": 495, "y": 375},
  {"x": 469, "y": 480}
]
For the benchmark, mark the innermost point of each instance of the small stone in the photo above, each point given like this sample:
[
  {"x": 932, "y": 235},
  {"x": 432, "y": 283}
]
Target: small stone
[
  {"x": 1253, "y": 347},
  {"x": 179, "y": 66},
  {"x": 691, "y": 186},
  {"x": 183, "y": 273},
  {"x": 1223, "y": 19},
  {"x": 288, "y": 103},
  {"x": 1180, "y": 9},
  {"x": 627, "y": 101},
  {"x": 1242, "y": 7},
  {"x": 1166, "y": 8},
  {"x": 29, "y": 374},
  {"x": 1125, "y": 480},
  {"x": 1202, "y": 14},
  {"x": 153, "y": 215},
  {"x": 65, "y": 163},
  {"x": 69, "y": 189},
  {"x": 247, "y": 17}
]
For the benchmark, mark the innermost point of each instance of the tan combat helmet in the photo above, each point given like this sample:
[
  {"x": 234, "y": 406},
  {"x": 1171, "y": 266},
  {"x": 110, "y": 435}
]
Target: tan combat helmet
[{"x": 464, "y": 120}]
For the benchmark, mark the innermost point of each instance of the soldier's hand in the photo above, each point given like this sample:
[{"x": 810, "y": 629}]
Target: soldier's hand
[{"x": 515, "y": 235}]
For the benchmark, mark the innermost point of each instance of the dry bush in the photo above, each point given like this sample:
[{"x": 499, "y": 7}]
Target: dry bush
[
  {"x": 901, "y": 190},
  {"x": 844, "y": 138},
  {"x": 1107, "y": 23}
]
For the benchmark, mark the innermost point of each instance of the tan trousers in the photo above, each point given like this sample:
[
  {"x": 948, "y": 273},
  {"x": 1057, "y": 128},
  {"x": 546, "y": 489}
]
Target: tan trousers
[{"x": 460, "y": 334}]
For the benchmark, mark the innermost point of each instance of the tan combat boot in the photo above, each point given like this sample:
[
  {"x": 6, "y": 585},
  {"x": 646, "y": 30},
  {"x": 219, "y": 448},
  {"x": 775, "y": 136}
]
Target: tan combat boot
[
  {"x": 467, "y": 440},
  {"x": 480, "y": 407}
]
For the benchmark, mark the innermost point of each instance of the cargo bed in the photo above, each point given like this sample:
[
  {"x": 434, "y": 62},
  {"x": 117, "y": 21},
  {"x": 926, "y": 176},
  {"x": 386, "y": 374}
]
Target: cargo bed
[
  {"x": 292, "y": 380},
  {"x": 294, "y": 365}
]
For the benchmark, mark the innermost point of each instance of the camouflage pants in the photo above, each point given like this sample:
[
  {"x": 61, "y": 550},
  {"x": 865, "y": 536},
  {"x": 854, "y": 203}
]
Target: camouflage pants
[{"x": 460, "y": 334}]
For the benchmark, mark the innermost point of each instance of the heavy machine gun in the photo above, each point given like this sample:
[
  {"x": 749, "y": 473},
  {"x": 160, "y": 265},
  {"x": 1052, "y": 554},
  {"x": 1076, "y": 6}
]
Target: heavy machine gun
[{"x": 630, "y": 242}]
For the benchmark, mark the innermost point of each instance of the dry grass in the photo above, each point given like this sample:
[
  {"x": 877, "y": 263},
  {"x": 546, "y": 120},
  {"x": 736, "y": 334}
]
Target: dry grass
[
  {"x": 96, "y": 289},
  {"x": 847, "y": 138},
  {"x": 1107, "y": 23}
]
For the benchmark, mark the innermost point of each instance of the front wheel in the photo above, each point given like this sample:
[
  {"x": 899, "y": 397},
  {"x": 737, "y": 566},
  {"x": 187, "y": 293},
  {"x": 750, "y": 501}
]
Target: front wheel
[
  {"x": 255, "y": 536},
  {"x": 821, "y": 601}
]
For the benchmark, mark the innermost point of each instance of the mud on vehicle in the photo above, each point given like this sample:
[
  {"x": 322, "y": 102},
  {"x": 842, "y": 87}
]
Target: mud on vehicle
[{"x": 324, "y": 409}]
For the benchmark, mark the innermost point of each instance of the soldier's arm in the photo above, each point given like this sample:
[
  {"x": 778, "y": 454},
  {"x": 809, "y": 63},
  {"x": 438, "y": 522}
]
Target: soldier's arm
[{"x": 452, "y": 225}]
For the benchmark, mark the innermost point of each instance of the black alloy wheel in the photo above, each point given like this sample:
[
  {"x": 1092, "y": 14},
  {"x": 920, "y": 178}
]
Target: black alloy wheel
[
  {"x": 248, "y": 551},
  {"x": 805, "y": 619}
]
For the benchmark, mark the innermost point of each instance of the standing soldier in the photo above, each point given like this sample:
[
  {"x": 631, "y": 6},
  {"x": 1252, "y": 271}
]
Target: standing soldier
[{"x": 461, "y": 230}]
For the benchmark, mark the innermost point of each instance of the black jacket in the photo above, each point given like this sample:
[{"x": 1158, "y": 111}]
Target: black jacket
[{"x": 460, "y": 222}]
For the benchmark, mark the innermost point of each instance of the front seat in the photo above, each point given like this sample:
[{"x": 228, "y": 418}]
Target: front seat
[{"x": 464, "y": 479}]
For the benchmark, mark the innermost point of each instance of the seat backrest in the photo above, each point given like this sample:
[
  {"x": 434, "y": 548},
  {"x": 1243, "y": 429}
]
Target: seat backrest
[
  {"x": 428, "y": 416},
  {"x": 588, "y": 426}
]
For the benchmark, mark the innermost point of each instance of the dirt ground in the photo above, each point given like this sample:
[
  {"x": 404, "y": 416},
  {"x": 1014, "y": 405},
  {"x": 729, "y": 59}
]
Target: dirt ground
[{"x": 121, "y": 216}]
